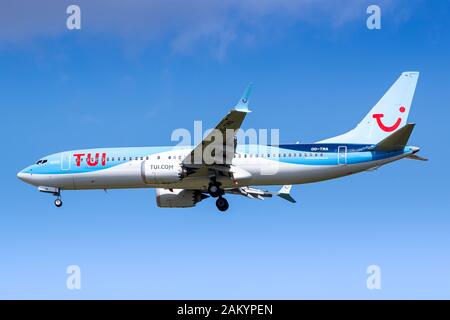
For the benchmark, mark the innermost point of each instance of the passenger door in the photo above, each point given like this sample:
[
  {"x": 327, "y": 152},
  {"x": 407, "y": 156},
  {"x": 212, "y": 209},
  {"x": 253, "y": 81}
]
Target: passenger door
[{"x": 342, "y": 155}]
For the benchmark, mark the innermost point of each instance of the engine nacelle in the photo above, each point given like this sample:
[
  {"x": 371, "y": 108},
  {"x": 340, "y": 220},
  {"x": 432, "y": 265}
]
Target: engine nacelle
[
  {"x": 157, "y": 172},
  {"x": 178, "y": 198}
]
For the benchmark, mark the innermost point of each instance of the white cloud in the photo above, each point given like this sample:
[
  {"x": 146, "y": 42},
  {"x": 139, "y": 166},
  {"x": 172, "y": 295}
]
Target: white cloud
[{"x": 182, "y": 23}]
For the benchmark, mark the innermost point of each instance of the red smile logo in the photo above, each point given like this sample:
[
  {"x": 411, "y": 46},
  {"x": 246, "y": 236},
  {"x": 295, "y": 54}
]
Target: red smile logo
[{"x": 385, "y": 128}]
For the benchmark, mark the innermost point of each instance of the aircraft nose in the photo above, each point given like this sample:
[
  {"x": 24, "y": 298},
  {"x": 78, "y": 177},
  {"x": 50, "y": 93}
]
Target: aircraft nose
[
  {"x": 21, "y": 175},
  {"x": 25, "y": 176}
]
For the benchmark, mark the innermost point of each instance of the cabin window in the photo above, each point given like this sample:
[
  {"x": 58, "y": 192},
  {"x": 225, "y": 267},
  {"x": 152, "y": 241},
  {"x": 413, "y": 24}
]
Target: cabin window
[
  {"x": 158, "y": 157},
  {"x": 168, "y": 157}
]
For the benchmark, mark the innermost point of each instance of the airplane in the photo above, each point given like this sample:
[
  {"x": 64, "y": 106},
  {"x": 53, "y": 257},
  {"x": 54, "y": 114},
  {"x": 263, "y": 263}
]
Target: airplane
[{"x": 185, "y": 175}]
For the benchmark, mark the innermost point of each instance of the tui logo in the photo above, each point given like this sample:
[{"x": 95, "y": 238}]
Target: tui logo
[{"x": 384, "y": 127}]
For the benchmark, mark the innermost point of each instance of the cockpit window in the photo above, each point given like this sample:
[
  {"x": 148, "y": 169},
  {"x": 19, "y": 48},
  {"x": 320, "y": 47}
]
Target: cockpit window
[{"x": 41, "y": 162}]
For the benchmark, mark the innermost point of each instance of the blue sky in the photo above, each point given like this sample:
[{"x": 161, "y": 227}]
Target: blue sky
[{"x": 133, "y": 74}]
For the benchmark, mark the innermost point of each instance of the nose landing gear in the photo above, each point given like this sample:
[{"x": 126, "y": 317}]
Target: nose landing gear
[
  {"x": 58, "y": 202},
  {"x": 54, "y": 191}
]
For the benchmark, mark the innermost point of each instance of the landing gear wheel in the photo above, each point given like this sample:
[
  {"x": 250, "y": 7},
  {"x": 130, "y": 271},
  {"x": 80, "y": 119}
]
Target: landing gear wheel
[
  {"x": 214, "y": 190},
  {"x": 58, "y": 203},
  {"x": 222, "y": 204}
]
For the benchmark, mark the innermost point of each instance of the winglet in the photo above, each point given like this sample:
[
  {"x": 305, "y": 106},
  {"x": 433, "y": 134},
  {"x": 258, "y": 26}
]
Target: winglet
[
  {"x": 242, "y": 105},
  {"x": 285, "y": 193}
]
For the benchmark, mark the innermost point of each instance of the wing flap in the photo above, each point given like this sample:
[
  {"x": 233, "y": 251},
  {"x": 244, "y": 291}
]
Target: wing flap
[{"x": 254, "y": 193}]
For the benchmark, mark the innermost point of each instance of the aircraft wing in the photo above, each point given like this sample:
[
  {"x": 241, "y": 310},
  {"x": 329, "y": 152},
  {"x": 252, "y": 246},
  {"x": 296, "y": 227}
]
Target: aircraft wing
[
  {"x": 216, "y": 151},
  {"x": 254, "y": 193}
]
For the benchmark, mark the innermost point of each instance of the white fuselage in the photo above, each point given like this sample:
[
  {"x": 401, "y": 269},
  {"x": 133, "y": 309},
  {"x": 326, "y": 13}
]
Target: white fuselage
[{"x": 122, "y": 168}]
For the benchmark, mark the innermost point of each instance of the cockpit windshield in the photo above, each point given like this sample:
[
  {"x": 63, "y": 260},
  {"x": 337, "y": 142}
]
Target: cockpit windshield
[{"x": 41, "y": 162}]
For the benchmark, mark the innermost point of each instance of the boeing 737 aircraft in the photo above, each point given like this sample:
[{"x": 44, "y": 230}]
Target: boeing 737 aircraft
[{"x": 186, "y": 175}]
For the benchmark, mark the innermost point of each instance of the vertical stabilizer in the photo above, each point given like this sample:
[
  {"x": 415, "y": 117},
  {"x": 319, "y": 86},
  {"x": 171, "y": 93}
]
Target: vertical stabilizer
[{"x": 387, "y": 116}]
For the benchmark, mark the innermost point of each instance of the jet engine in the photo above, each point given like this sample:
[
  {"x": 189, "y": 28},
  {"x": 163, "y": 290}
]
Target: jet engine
[
  {"x": 157, "y": 172},
  {"x": 178, "y": 198}
]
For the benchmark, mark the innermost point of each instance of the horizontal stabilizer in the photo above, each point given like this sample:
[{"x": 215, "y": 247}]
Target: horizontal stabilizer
[
  {"x": 397, "y": 140},
  {"x": 285, "y": 193},
  {"x": 416, "y": 157}
]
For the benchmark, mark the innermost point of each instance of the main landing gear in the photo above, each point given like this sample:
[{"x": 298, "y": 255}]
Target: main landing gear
[
  {"x": 215, "y": 191},
  {"x": 222, "y": 204}
]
